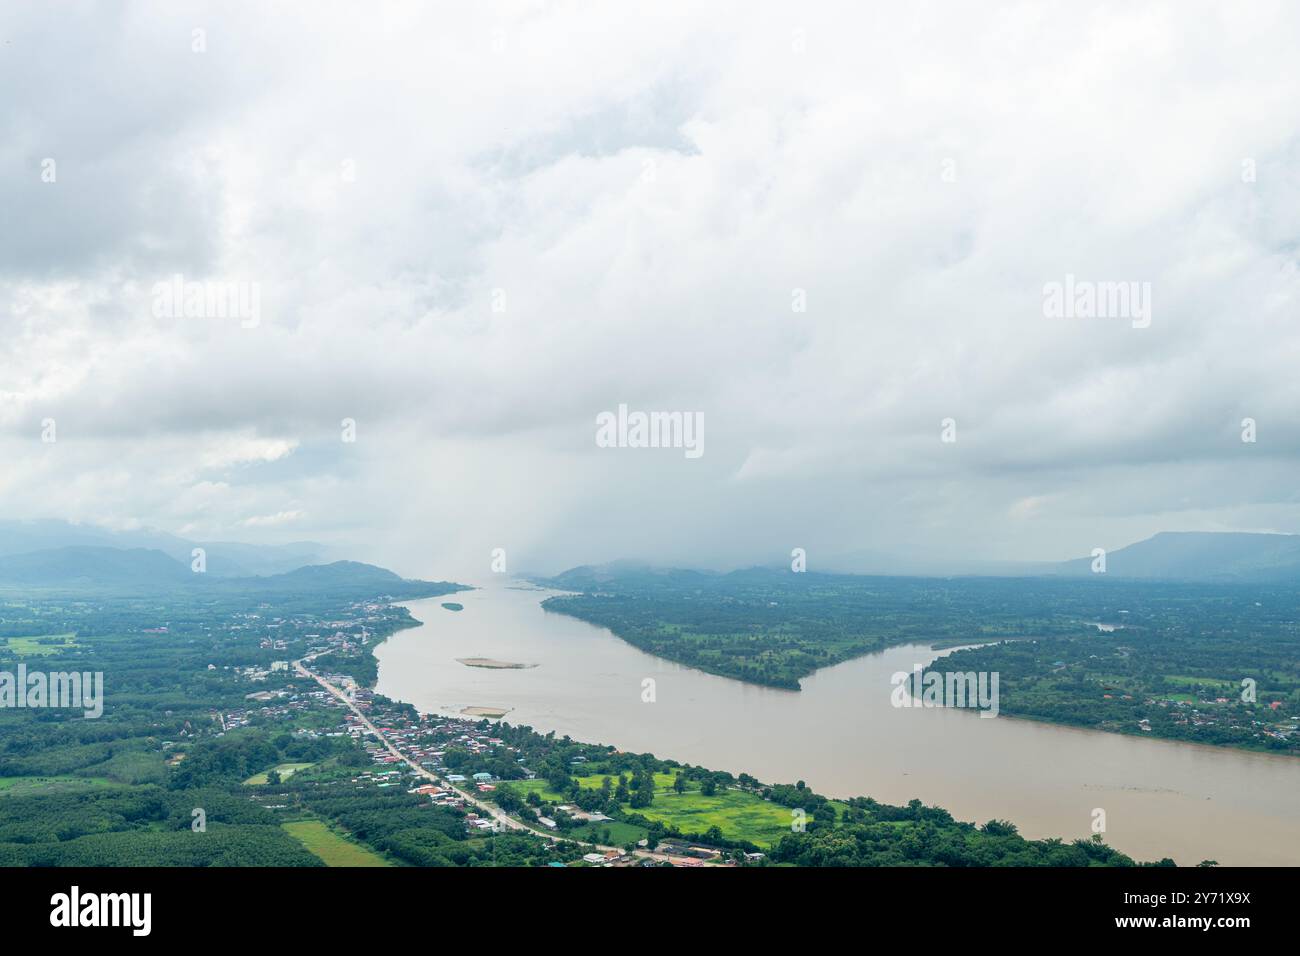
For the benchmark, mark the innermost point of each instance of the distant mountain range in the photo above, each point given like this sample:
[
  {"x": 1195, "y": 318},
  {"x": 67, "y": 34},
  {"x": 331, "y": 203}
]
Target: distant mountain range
[
  {"x": 1209, "y": 557},
  {"x": 62, "y": 556},
  {"x": 1201, "y": 556},
  {"x": 125, "y": 567},
  {"x": 144, "y": 571},
  {"x": 225, "y": 559}
]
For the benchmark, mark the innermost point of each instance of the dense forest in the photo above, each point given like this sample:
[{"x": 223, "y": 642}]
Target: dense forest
[
  {"x": 773, "y": 627},
  {"x": 124, "y": 789},
  {"x": 1222, "y": 688}
]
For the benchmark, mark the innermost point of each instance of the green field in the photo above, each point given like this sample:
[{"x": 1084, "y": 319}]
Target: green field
[
  {"x": 620, "y": 834},
  {"x": 591, "y": 781},
  {"x": 1225, "y": 688},
  {"x": 285, "y": 770},
  {"x": 133, "y": 767},
  {"x": 33, "y": 646},
  {"x": 740, "y": 815},
  {"x": 27, "y": 786},
  {"x": 333, "y": 849}
]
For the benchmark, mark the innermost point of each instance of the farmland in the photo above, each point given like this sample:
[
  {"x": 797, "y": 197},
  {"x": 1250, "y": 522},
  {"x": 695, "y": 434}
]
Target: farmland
[
  {"x": 26, "y": 786},
  {"x": 739, "y": 814},
  {"x": 42, "y": 645},
  {"x": 333, "y": 849},
  {"x": 285, "y": 770}
]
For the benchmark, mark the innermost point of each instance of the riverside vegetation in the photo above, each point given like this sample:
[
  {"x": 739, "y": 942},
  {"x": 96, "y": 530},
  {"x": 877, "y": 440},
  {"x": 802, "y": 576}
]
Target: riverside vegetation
[
  {"x": 1168, "y": 660},
  {"x": 199, "y": 711}
]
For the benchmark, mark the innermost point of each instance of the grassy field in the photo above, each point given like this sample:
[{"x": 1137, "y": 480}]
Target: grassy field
[
  {"x": 1225, "y": 688},
  {"x": 593, "y": 781},
  {"x": 285, "y": 770},
  {"x": 663, "y": 781},
  {"x": 134, "y": 767},
  {"x": 31, "y": 646},
  {"x": 620, "y": 834},
  {"x": 26, "y": 786},
  {"x": 333, "y": 849},
  {"x": 740, "y": 815}
]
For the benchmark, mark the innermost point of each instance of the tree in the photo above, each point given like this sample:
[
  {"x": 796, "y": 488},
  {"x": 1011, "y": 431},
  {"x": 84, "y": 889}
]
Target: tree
[{"x": 679, "y": 784}]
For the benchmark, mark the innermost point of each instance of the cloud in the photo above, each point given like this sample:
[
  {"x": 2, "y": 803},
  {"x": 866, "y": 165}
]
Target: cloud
[
  {"x": 279, "y": 518},
  {"x": 471, "y": 235},
  {"x": 234, "y": 450}
]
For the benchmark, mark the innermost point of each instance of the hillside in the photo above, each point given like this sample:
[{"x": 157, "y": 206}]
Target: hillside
[
  {"x": 141, "y": 571},
  {"x": 1226, "y": 557},
  {"x": 82, "y": 566},
  {"x": 225, "y": 559}
]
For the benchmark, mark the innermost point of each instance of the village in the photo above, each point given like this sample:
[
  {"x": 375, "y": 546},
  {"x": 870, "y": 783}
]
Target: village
[{"x": 407, "y": 750}]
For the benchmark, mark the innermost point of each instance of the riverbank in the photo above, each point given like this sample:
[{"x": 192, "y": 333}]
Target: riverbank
[{"x": 842, "y": 736}]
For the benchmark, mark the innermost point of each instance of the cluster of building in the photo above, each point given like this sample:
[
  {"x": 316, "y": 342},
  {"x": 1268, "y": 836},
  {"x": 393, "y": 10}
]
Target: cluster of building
[
  {"x": 423, "y": 740},
  {"x": 1209, "y": 713},
  {"x": 280, "y": 704}
]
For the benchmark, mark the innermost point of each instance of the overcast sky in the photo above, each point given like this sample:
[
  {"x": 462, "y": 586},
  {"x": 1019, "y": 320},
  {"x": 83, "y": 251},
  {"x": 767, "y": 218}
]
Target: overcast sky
[{"x": 472, "y": 229}]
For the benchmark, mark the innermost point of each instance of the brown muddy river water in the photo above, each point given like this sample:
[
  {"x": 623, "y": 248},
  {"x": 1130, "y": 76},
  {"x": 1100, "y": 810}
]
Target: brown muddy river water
[{"x": 842, "y": 735}]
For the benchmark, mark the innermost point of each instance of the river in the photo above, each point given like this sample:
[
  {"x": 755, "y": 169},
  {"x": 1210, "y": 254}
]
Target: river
[{"x": 843, "y": 737}]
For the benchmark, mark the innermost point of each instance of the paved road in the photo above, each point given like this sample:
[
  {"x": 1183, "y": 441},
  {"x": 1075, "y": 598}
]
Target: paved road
[{"x": 503, "y": 818}]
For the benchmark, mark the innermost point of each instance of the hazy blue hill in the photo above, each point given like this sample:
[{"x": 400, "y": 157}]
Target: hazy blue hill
[
  {"x": 1196, "y": 556},
  {"x": 142, "y": 571},
  {"x": 227, "y": 559},
  {"x": 312, "y": 577},
  {"x": 1202, "y": 556},
  {"x": 629, "y": 577},
  {"x": 24, "y": 537},
  {"x": 341, "y": 569},
  {"x": 234, "y": 559},
  {"x": 590, "y": 577},
  {"x": 351, "y": 579},
  {"x": 93, "y": 566}
]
